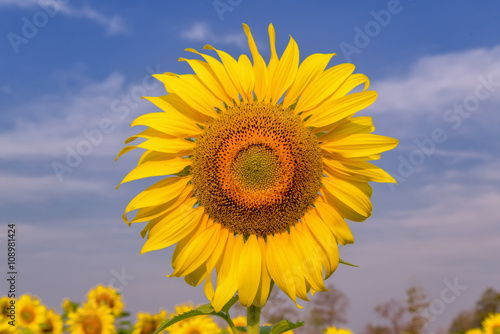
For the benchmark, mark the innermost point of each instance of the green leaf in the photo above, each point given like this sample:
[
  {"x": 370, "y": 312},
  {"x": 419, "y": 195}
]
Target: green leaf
[
  {"x": 285, "y": 325},
  {"x": 178, "y": 318},
  {"x": 347, "y": 263},
  {"x": 241, "y": 329},
  {"x": 206, "y": 309},
  {"x": 124, "y": 314}
]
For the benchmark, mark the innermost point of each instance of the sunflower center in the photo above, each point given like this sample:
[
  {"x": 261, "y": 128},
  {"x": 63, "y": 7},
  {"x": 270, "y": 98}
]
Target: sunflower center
[
  {"x": 92, "y": 325},
  {"x": 149, "y": 328},
  {"x": 28, "y": 315},
  {"x": 104, "y": 299},
  {"x": 256, "y": 169}
]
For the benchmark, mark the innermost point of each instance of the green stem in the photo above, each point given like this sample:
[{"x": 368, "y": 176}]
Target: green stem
[
  {"x": 233, "y": 328},
  {"x": 253, "y": 320}
]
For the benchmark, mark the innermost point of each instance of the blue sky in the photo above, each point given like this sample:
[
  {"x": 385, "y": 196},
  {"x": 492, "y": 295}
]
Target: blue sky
[{"x": 69, "y": 68}]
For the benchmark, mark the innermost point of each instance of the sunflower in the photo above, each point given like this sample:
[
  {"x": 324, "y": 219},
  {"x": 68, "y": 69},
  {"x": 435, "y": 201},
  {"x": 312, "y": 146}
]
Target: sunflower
[
  {"x": 264, "y": 164},
  {"x": 5, "y": 304},
  {"x": 147, "y": 323},
  {"x": 30, "y": 313},
  {"x": 53, "y": 323},
  {"x": 68, "y": 306},
  {"x": 108, "y": 297},
  {"x": 201, "y": 324},
  {"x": 491, "y": 324},
  {"x": 91, "y": 319},
  {"x": 333, "y": 330},
  {"x": 5, "y": 328},
  {"x": 474, "y": 331}
]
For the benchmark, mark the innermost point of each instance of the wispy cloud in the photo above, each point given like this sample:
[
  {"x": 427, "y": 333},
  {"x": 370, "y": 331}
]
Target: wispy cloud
[
  {"x": 113, "y": 24},
  {"x": 201, "y": 32},
  {"x": 436, "y": 82}
]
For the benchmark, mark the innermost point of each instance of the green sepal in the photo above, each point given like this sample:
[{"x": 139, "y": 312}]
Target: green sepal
[
  {"x": 206, "y": 309},
  {"x": 347, "y": 263},
  {"x": 124, "y": 314},
  {"x": 185, "y": 172},
  {"x": 283, "y": 326}
]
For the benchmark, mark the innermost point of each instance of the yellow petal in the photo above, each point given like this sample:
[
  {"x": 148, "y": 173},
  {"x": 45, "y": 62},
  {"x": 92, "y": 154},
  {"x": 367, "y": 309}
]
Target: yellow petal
[
  {"x": 209, "y": 288},
  {"x": 173, "y": 104},
  {"x": 148, "y": 133},
  {"x": 358, "y": 145},
  {"x": 193, "y": 92},
  {"x": 323, "y": 86},
  {"x": 285, "y": 72},
  {"x": 195, "y": 277},
  {"x": 124, "y": 150},
  {"x": 227, "y": 275},
  {"x": 350, "y": 198},
  {"x": 328, "y": 250},
  {"x": 156, "y": 168},
  {"x": 231, "y": 66},
  {"x": 222, "y": 75},
  {"x": 347, "y": 127},
  {"x": 358, "y": 171},
  {"x": 171, "y": 124},
  {"x": 336, "y": 110},
  {"x": 259, "y": 67},
  {"x": 196, "y": 252},
  {"x": 308, "y": 259},
  {"x": 278, "y": 265},
  {"x": 249, "y": 271},
  {"x": 208, "y": 78},
  {"x": 265, "y": 280},
  {"x": 310, "y": 68},
  {"x": 352, "y": 82},
  {"x": 246, "y": 77},
  {"x": 173, "y": 227},
  {"x": 159, "y": 193},
  {"x": 335, "y": 222},
  {"x": 172, "y": 146}
]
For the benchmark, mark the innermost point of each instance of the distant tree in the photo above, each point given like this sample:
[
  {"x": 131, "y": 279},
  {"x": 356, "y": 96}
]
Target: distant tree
[
  {"x": 489, "y": 302},
  {"x": 464, "y": 321},
  {"x": 416, "y": 302},
  {"x": 401, "y": 316}
]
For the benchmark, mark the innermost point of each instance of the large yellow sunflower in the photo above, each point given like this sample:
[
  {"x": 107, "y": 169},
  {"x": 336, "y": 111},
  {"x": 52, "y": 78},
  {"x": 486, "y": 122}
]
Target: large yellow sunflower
[
  {"x": 53, "y": 323},
  {"x": 148, "y": 323},
  {"x": 91, "y": 319},
  {"x": 30, "y": 313},
  {"x": 491, "y": 325},
  {"x": 109, "y": 297},
  {"x": 264, "y": 164},
  {"x": 201, "y": 324}
]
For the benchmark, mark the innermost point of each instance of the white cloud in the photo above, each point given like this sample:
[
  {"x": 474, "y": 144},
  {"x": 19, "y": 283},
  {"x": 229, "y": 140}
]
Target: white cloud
[
  {"x": 200, "y": 32},
  {"x": 113, "y": 24},
  {"x": 437, "y": 82}
]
